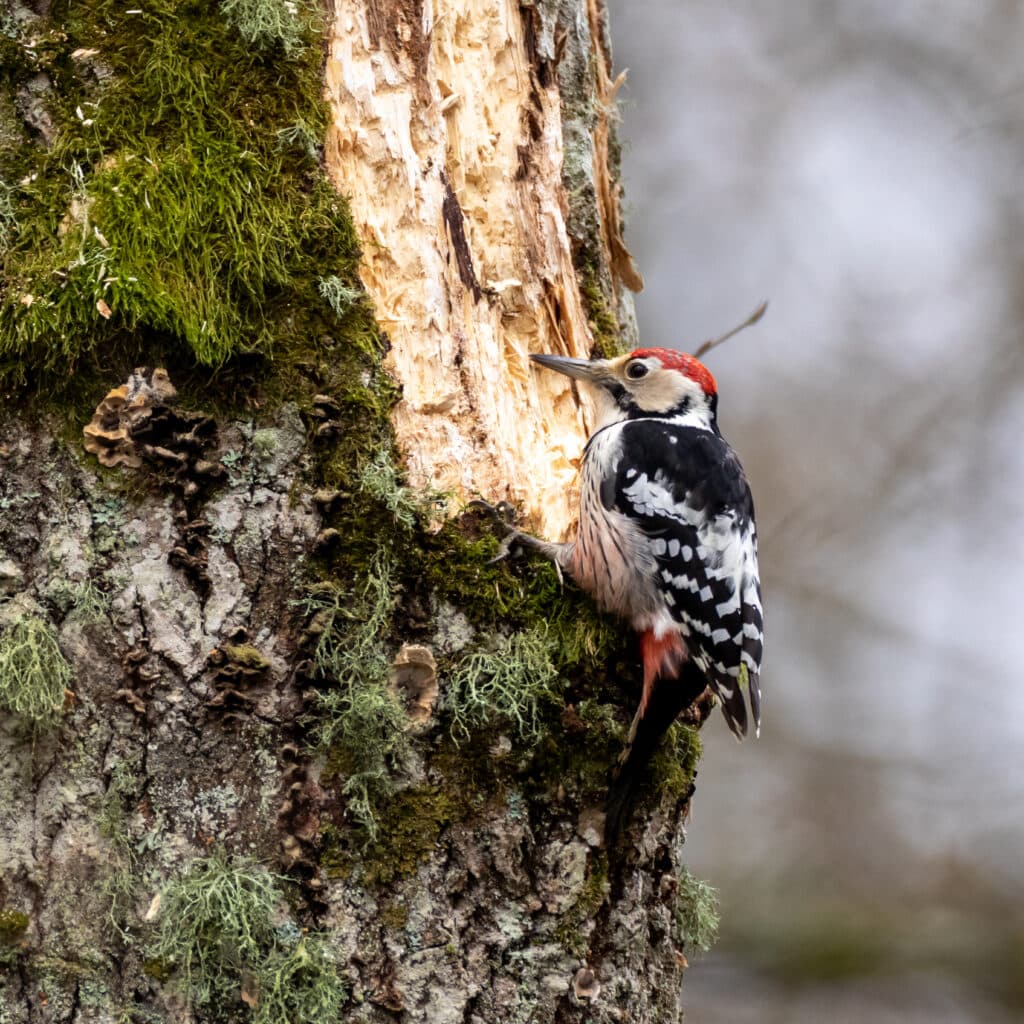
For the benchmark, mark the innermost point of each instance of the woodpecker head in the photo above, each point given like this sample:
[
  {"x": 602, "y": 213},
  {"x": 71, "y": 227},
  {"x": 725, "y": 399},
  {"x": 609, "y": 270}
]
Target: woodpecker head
[{"x": 648, "y": 382}]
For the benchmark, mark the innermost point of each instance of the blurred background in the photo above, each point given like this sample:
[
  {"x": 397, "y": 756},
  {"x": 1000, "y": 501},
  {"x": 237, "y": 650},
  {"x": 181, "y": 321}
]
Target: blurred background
[{"x": 861, "y": 166}]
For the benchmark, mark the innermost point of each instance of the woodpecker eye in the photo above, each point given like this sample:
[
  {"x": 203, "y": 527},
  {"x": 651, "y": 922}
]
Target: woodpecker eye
[{"x": 637, "y": 370}]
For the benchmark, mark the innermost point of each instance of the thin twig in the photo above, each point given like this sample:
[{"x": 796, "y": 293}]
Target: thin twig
[{"x": 749, "y": 322}]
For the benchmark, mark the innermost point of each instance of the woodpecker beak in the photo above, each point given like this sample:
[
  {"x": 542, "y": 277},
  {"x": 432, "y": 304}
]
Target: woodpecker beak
[{"x": 578, "y": 369}]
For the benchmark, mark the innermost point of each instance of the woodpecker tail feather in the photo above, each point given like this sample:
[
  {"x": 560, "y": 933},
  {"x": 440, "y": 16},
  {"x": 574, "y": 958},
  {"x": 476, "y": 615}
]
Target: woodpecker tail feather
[
  {"x": 754, "y": 694},
  {"x": 664, "y": 703},
  {"x": 733, "y": 693},
  {"x": 734, "y": 707}
]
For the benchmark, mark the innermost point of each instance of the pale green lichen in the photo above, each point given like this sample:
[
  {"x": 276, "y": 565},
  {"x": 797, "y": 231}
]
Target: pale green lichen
[
  {"x": 359, "y": 722},
  {"x": 696, "y": 912},
  {"x": 352, "y": 626},
  {"x": 380, "y": 480},
  {"x": 364, "y": 730},
  {"x": 83, "y": 602},
  {"x": 338, "y": 295},
  {"x": 303, "y": 136},
  {"x": 510, "y": 684},
  {"x": 215, "y": 921},
  {"x": 113, "y": 821},
  {"x": 268, "y": 23},
  {"x": 299, "y": 985},
  {"x": 33, "y": 673},
  {"x": 218, "y": 935},
  {"x": 265, "y": 442}
]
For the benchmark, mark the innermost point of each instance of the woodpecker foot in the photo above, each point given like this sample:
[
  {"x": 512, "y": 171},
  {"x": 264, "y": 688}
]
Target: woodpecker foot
[
  {"x": 516, "y": 542},
  {"x": 511, "y": 539},
  {"x": 504, "y": 515}
]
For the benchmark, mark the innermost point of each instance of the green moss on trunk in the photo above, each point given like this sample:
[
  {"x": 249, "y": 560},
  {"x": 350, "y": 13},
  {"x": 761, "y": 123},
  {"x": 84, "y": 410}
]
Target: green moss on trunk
[{"x": 175, "y": 210}]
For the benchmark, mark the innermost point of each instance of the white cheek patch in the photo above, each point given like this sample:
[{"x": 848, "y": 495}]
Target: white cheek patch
[{"x": 662, "y": 390}]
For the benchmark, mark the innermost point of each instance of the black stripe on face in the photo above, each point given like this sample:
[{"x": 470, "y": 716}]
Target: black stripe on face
[
  {"x": 626, "y": 401},
  {"x": 623, "y": 399},
  {"x": 636, "y": 413}
]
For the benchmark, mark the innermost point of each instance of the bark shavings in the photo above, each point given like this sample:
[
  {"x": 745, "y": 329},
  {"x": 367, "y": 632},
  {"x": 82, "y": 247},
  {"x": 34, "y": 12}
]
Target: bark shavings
[
  {"x": 398, "y": 25},
  {"x": 609, "y": 190}
]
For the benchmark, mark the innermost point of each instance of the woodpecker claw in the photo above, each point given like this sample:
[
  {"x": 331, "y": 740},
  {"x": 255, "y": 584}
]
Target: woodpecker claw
[
  {"x": 503, "y": 513},
  {"x": 505, "y": 548}
]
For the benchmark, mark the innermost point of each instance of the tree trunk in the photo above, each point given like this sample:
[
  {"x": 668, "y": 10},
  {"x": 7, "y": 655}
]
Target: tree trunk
[{"x": 278, "y": 743}]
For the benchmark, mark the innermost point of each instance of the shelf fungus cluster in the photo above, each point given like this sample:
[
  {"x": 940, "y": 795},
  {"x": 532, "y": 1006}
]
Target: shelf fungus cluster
[
  {"x": 110, "y": 434},
  {"x": 138, "y": 424},
  {"x": 236, "y": 668}
]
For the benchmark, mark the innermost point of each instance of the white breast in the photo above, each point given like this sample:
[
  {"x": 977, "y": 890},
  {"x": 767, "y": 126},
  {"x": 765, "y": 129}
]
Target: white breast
[{"x": 611, "y": 559}]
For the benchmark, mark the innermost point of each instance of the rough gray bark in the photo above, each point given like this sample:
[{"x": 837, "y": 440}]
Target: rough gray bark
[{"x": 175, "y": 592}]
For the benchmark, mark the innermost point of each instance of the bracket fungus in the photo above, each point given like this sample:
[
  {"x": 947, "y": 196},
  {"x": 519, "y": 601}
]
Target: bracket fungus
[
  {"x": 414, "y": 679},
  {"x": 108, "y": 435}
]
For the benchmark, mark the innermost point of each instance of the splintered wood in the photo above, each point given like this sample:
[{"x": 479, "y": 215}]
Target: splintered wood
[{"x": 450, "y": 151}]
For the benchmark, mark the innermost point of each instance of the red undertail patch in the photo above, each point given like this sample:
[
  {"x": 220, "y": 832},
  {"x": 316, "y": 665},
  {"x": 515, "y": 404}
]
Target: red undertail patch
[{"x": 663, "y": 657}]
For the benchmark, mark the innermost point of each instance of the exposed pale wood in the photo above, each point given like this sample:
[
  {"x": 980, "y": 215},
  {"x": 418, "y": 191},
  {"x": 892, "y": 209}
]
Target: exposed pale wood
[{"x": 450, "y": 150}]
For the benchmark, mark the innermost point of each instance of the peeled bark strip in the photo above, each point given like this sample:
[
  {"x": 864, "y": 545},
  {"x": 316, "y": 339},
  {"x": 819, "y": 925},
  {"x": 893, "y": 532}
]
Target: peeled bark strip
[
  {"x": 447, "y": 137},
  {"x": 607, "y": 188}
]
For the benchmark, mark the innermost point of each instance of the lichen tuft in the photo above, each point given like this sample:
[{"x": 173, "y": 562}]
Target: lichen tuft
[
  {"x": 357, "y": 721},
  {"x": 33, "y": 673},
  {"x": 696, "y": 912},
  {"x": 510, "y": 684},
  {"x": 268, "y": 23},
  {"x": 216, "y": 920},
  {"x": 220, "y": 936},
  {"x": 299, "y": 985}
]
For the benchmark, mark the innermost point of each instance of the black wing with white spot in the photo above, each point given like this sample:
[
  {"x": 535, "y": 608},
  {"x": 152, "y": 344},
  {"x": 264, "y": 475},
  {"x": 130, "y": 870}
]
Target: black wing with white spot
[{"x": 685, "y": 489}]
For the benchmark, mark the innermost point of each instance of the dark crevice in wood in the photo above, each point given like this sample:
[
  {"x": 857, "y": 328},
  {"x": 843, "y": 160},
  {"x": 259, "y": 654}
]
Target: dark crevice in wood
[{"x": 456, "y": 225}]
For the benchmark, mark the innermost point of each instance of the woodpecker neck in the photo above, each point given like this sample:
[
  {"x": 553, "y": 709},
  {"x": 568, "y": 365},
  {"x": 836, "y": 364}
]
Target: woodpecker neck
[{"x": 616, "y": 405}]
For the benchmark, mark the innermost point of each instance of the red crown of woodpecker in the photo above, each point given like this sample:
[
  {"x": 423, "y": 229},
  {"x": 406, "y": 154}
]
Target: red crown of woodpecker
[{"x": 684, "y": 363}]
